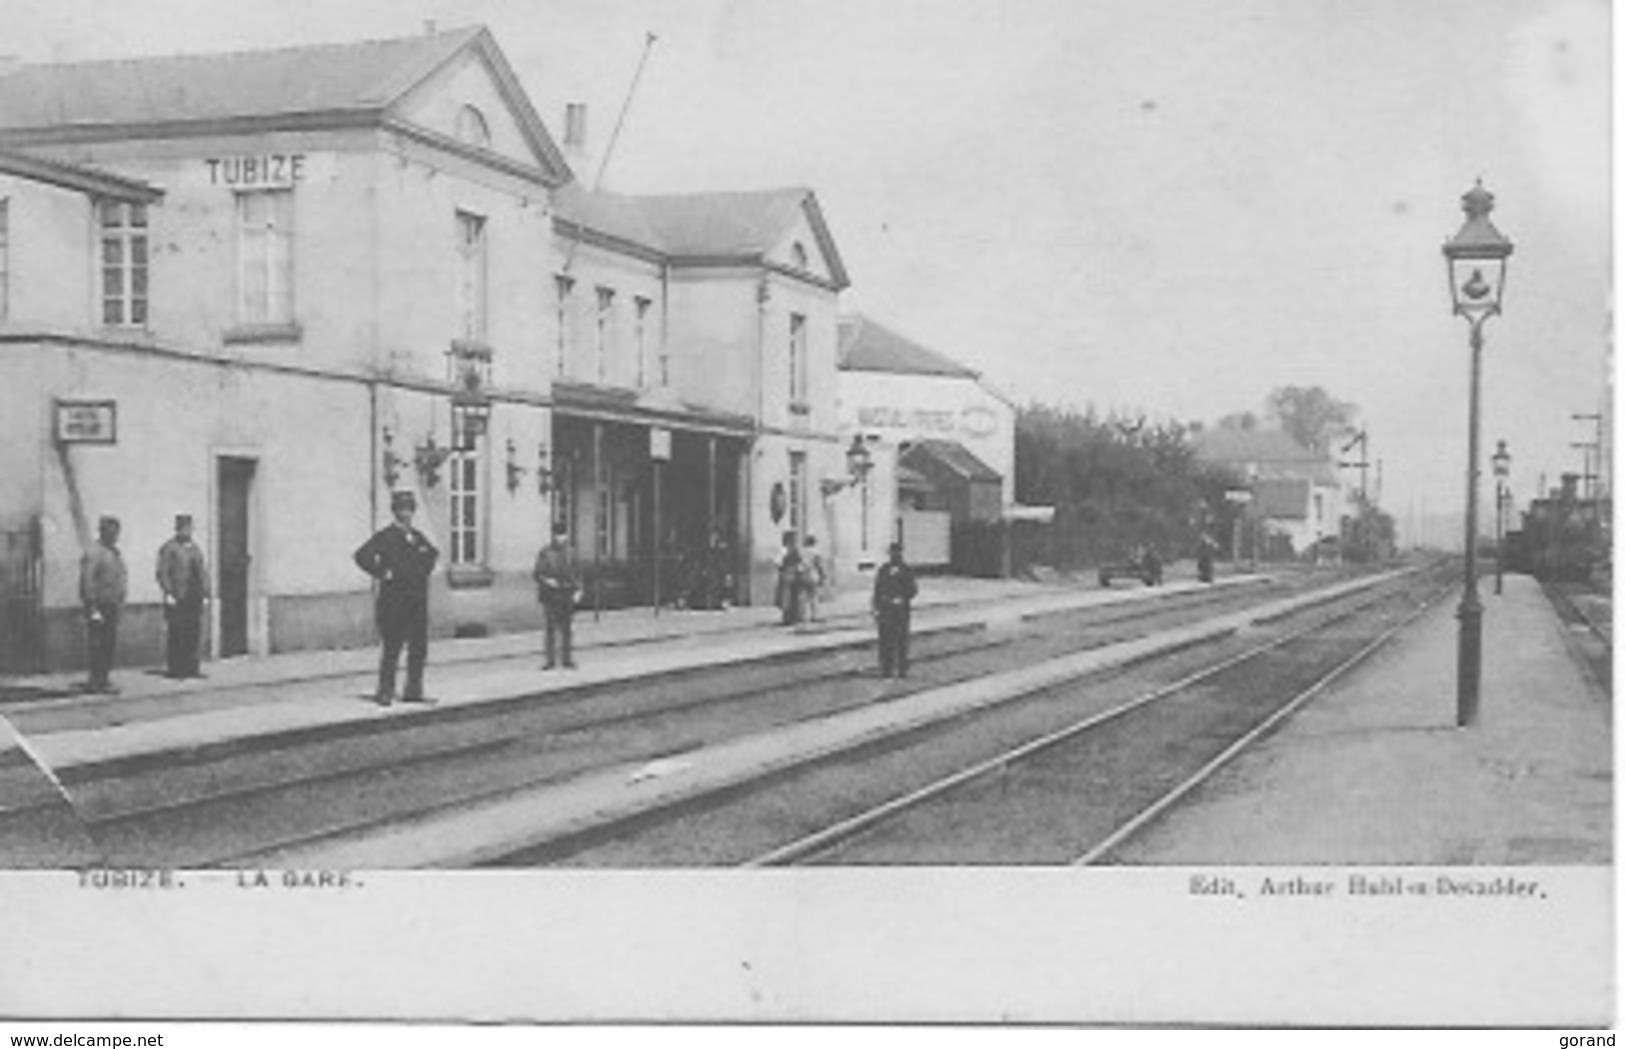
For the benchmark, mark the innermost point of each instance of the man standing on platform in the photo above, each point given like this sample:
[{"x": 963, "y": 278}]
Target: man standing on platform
[
  {"x": 103, "y": 585},
  {"x": 183, "y": 576},
  {"x": 895, "y": 590},
  {"x": 558, "y": 588},
  {"x": 401, "y": 558}
]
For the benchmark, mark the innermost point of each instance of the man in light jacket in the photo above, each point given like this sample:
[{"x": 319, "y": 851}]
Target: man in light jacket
[{"x": 103, "y": 585}]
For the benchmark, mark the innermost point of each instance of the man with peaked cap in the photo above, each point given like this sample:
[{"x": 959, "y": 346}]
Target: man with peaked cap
[
  {"x": 558, "y": 588},
  {"x": 183, "y": 576},
  {"x": 895, "y": 590},
  {"x": 401, "y": 558},
  {"x": 103, "y": 585}
]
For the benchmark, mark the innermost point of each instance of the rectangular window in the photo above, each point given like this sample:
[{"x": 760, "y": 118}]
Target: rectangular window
[
  {"x": 265, "y": 257},
  {"x": 123, "y": 234},
  {"x": 798, "y": 492},
  {"x": 643, "y": 305},
  {"x": 467, "y": 520},
  {"x": 5, "y": 259},
  {"x": 562, "y": 287},
  {"x": 605, "y": 330},
  {"x": 798, "y": 359},
  {"x": 471, "y": 277}
]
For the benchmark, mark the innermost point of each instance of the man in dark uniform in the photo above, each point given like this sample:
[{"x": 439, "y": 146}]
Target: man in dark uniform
[
  {"x": 401, "y": 558},
  {"x": 895, "y": 590},
  {"x": 558, "y": 588},
  {"x": 183, "y": 576}
]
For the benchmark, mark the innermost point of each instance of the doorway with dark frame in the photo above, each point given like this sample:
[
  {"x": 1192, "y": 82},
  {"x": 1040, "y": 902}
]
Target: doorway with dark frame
[{"x": 234, "y": 550}]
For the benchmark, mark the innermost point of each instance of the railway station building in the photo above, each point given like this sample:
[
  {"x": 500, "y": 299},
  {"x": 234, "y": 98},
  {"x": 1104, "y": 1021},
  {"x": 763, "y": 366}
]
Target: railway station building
[
  {"x": 269, "y": 288},
  {"x": 944, "y": 445}
]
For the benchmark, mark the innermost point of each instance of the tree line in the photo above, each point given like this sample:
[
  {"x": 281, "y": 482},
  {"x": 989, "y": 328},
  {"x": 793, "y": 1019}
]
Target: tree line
[{"x": 1121, "y": 480}]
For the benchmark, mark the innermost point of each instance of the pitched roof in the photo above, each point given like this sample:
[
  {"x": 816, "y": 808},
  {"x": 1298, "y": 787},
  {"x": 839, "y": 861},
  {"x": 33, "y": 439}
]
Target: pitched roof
[
  {"x": 691, "y": 226},
  {"x": 77, "y": 177},
  {"x": 1273, "y": 453},
  {"x": 313, "y": 85},
  {"x": 366, "y": 75},
  {"x": 866, "y": 346},
  {"x": 953, "y": 455}
]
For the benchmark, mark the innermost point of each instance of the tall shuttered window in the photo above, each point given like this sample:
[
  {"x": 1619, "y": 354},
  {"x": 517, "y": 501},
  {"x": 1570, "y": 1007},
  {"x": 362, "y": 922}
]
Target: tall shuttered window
[
  {"x": 605, "y": 331},
  {"x": 265, "y": 257},
  {"x": 467, "y": 516},
  {"x": 642, "y": 336},
  {"x": 562, "y": 288},
  {"x": 798, "y": 360},
  {"x": 471, "y": 277},
  {"x": 798, "y": 493},
  {"x": 123, "y": 235}
]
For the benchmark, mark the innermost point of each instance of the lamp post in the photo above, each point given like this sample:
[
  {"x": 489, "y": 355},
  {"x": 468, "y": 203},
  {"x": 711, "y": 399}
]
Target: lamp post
[
  {"x": 1502, "y": 461},
  {"x": 1476, "y": 258}
]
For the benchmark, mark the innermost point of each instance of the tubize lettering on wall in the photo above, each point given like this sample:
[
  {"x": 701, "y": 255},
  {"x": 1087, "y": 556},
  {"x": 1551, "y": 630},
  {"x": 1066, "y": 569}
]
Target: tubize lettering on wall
[{"x": 265, "y": 170}]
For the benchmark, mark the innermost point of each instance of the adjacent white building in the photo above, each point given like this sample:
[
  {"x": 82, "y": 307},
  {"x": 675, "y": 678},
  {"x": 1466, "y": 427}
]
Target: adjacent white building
[{"x": 943, "y": 442}]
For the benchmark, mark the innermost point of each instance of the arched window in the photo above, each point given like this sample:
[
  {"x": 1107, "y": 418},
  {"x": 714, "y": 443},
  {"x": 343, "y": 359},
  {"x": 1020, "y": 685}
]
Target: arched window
[
  {"x": 798, "y": 255},
  {"x": 472, "y": 128}
]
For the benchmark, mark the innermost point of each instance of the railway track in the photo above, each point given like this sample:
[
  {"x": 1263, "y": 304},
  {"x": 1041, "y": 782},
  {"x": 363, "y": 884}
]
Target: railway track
[
  {"x": 846, "y": 807},
  {"x": 1588, "y": 613},
  {"x": 240, "y": 802}
]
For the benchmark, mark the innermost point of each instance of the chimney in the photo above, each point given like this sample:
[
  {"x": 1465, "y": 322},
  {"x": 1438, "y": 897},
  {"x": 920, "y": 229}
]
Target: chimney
[{"x": 575, "y": 127}]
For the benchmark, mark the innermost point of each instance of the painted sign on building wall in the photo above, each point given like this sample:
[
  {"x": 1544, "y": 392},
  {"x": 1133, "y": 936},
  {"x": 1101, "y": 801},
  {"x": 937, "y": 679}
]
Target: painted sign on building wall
[
  {"x": 268, "y": 170},
  {"x": 86, "y": 421},
  {"x": 974, "y": 421}
]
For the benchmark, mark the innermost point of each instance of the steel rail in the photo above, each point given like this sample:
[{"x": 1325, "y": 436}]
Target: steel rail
[
  {"x": 1167, "y": 801},
  {"x": 979, "y": 641},
  {"x": 824, "y": 840},
  {"x": 1558, "y": 595}
]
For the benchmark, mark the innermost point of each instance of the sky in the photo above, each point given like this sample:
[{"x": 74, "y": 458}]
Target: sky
[{"x": 1159, "y": 206}]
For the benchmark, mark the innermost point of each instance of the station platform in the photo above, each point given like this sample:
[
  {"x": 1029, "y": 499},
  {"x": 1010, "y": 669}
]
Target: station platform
[
  {"x": 303, "y": 697},
  {"x": 1375, "y": 770}
]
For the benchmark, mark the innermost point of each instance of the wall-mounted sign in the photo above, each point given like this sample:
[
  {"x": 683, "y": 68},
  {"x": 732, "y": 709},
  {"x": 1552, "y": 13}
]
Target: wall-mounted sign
[
  {"x": 85, "y": 421},
  {"x": 268, "y": 170},
  {"x": 975, "y": 421},
  {"x": 778, "y": 501},
  {"x": 659, "y": 443}
]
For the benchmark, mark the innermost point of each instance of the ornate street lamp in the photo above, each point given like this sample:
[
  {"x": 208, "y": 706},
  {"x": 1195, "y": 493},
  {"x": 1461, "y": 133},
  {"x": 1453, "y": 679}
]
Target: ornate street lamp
[
  {"x": 1502, "y": 461},
  {"x": 1476, "y": 258},
  {"x": 858, "y": 460}
]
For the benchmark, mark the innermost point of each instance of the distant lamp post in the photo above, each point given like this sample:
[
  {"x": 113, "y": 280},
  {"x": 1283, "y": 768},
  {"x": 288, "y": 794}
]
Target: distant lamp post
[
  {"x": 1477, "y": 261},
  {"x": 1502, "y": 461}
]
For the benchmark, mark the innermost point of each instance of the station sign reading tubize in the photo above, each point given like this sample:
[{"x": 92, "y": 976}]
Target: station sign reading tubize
[
  {"x": 85, "y": 421},
  {"x": 265, "y": 171}
]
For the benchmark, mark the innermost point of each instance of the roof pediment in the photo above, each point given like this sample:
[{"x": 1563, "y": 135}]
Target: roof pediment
[
  {"x": 761, "y": 226},
  {"x": 329, "y": 85}
]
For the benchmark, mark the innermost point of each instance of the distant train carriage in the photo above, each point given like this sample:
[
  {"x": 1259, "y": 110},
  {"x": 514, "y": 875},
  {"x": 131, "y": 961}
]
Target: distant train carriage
[{"x": 1563, "y": 537}]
